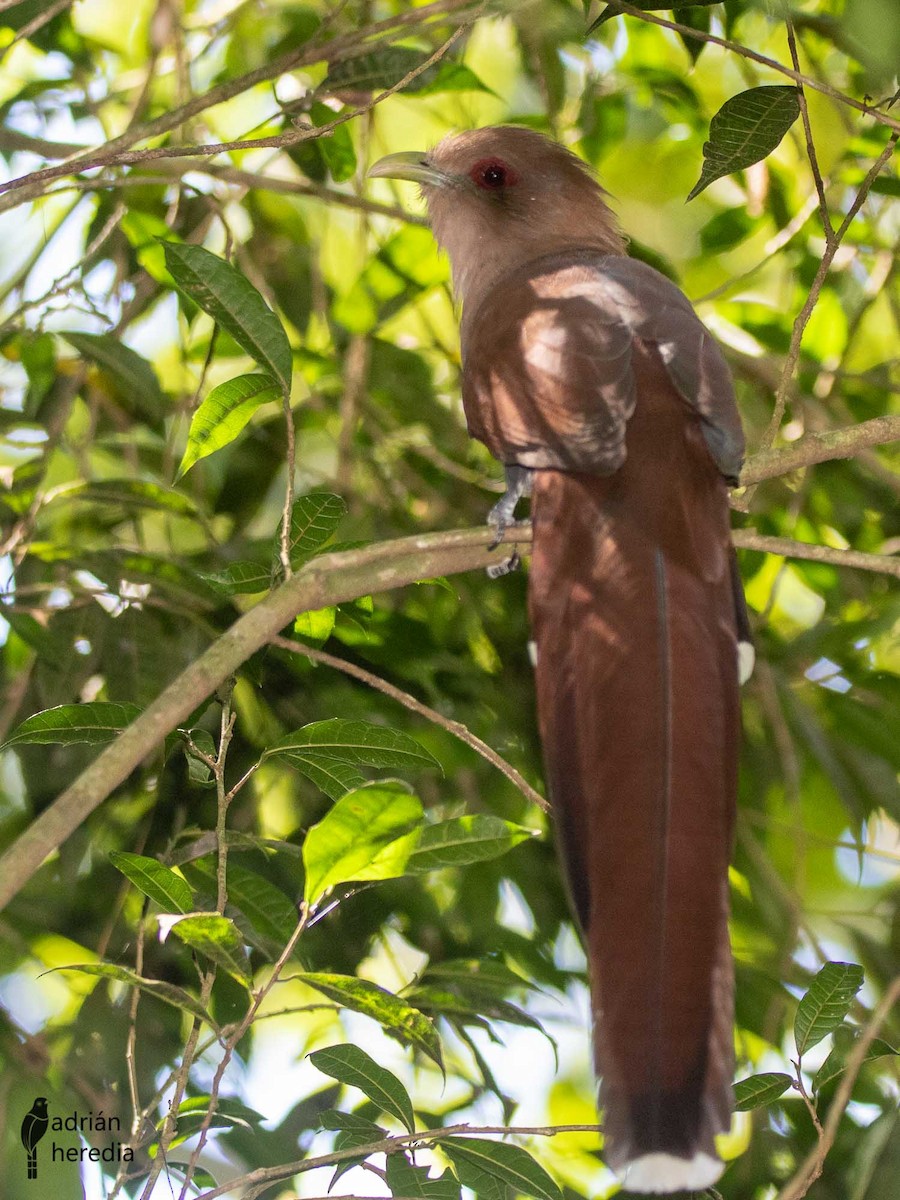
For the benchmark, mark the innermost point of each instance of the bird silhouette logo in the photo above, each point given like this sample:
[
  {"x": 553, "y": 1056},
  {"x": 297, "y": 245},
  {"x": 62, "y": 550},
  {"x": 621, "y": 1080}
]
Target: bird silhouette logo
[{"x": 34, "y": 1126}]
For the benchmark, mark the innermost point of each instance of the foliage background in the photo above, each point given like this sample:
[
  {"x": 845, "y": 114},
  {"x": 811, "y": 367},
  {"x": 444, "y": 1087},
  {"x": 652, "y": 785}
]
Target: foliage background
[{"x": 113, "y": 564}]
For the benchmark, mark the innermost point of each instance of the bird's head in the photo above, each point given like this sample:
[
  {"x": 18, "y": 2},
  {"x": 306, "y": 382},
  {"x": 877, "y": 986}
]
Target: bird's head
[{"x": 500, "y": 196}]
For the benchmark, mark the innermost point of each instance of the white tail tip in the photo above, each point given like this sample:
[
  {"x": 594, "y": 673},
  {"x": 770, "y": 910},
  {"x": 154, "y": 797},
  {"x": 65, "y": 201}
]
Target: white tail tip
[{"x": 667, "y": 1173}]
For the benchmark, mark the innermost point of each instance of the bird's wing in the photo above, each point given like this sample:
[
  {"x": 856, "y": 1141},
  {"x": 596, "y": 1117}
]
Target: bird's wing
[{"x": 548, "y": 378}]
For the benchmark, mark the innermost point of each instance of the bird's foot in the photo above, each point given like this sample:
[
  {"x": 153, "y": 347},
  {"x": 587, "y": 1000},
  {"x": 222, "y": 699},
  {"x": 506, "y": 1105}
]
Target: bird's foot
[{"x": 505, "y": 567}]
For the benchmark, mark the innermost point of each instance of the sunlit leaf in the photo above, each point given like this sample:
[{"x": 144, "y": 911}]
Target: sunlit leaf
[
  {"x": 396, "y": 1016},
  {"x": 224, "y": 413},
  {"x": 368, "y": 834},
  {"x": 166, "y": 992},
  {"x": 161, "y": 884},
  {"x": 215, "y": 937},
  {"x": 464, "y": 840}
]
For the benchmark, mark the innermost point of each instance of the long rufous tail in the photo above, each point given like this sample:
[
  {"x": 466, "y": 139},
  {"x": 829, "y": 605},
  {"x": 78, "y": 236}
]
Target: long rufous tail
[{"x": 633, "y": 616}]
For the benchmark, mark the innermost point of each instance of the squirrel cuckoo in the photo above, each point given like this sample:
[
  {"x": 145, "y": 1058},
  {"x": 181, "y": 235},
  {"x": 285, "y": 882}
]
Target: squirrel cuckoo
[{"x": 590, "y": 377}]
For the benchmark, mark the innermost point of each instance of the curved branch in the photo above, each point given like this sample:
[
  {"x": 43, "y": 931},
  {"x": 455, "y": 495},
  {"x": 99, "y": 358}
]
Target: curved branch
[
  {"x": 328, "y": 579},
  {"x": 820, "y": 447}
]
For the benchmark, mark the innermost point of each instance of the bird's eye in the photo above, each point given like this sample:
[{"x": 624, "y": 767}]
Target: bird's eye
[{"x": 492, "y": 174}]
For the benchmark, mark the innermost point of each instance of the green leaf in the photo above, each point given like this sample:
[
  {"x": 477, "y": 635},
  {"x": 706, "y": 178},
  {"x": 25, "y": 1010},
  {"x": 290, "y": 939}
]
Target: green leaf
[
  {"x": 836, "y": 1062},
  {"x": 404, "y": 1179},
  {"x": 757, "y": 1090},
  {"x": 242, "y": 578},
  {"x": 129, "y": 493},
  {"x": 334, "y": 778},
  {"x": 67, "y": 724},
  {"x": 383, "y": 68},
  {"x": 745, "y": 129},
  {"x": 352, "y": 1130},
  {"x": 314, "y": 519},
  {"x": 353, "y": 1066},
  {"x": 612, "y": 9},
  {"x": 214, "y": 936},
  {"x": 133, "y": 374},
  {"x": 162, "y": 885},
  {"x": 395, "y": 1016},
  {"x": 355, "y": 742},
  {"x": 464, "y": 840},
  {"x": 827, "y": 1002},
  {"x": 224, "y": 413},
  {"x": 263, "y": 906},
  {"x": 315, "y": 625},
  {"x": 166, "y": 992},
  {"x": 367, "y": 835},
  {"x": 235, "y": 304},
  {"x": 472, "y": 1157}
]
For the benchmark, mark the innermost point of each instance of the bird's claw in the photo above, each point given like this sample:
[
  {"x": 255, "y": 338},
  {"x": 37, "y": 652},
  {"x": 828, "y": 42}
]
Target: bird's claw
[{"x": 505, "y": 566}]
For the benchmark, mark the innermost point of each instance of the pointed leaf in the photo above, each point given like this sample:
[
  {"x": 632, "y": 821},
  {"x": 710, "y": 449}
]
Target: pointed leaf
[
  {"x": 167, "y": 992},
  {"x": 745, "y": 129},
  {"x": 353, "y": 1130},
  {"x": 242, "y": 578},
  {"x": 464, "y": 840},
  {"x": 353, "y": 1066},
  {"x": 359, "y": 743},
  {"x": 162, "y": 885},
  {"x": 335, "y": 778},
  {"x": 133, "y": 374},
  {"x": 396, "y": 1016},
  {"x": 224, "y": 413},
  {"x": 365, "y": 836},
  {"x": 510, "y": 1164},
  {"x": 757, "y": 1090},
  {"x": 214, "y": 936},
  {"x": 612, "y": 9},
  {"x": 67, "y": 724},
  {"x": 404, "y": 1179},
  {"x": 827, "y": 1002},
  {"x": 314, "y": 519},
  {"x": 235, "y": 304}
]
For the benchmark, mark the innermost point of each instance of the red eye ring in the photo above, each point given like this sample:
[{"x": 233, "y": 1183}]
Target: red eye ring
[{"x": 493, "y": 174}]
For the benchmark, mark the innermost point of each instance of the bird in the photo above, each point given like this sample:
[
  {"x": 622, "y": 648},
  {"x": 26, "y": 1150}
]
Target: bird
[
  {"x": 34, "y": 1126},
  {"x": 590, "y": 377}
]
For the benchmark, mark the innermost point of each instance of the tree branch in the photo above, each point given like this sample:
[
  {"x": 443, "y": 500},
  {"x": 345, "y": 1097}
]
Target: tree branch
[
  {"x": 883, "y": 564},
  {"x": 328, "y": 579},
  {"x": 28, "y": 187},
  {"x": 820, "y": 447}
]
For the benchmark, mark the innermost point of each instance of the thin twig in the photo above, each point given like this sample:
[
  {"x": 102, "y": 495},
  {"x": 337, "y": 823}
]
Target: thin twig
[
  {"x": 812, "y": 299},
  {"x": 28, "y": 187},
  {"x": 813, "y": 1165},
  {"x": 456, "y": 728},
  {"x": 35, "y": 24},
  {"x": 745, "y": 52},
  {"x": 388, "y": 1145},
  {"x": 233, "y": 1042},
  {"x": 810, "y": 144}
]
